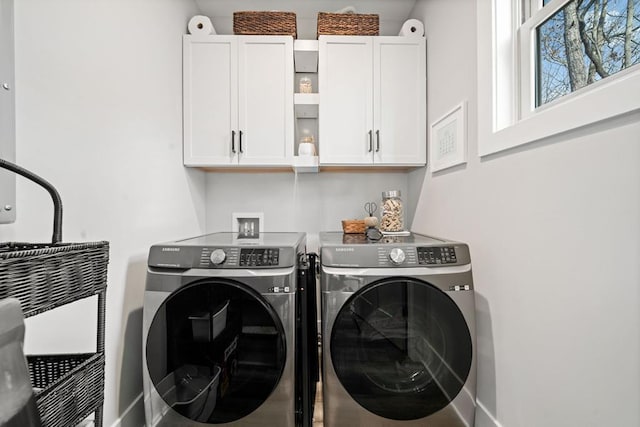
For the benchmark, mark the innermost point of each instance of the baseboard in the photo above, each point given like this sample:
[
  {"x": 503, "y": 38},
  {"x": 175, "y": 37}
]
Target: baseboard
[
  {"x": 133, "y": 416},
  {"x": 484, "y": 418}
]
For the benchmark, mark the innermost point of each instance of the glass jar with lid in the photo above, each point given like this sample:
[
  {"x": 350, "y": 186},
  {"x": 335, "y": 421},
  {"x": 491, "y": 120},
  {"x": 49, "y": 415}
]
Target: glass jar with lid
[
  {"x": 392, "y": 219},
  {"x": 305, "y": 85}
]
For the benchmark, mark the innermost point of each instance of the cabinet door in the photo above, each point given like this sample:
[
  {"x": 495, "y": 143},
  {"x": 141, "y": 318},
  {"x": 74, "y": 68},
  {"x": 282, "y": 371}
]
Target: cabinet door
[
  {"x": 210, "y": 100},
  {"x": 345, "y": 82},
  {"x": 265, "y": 87},
  {"x": 400, "y": 99}
]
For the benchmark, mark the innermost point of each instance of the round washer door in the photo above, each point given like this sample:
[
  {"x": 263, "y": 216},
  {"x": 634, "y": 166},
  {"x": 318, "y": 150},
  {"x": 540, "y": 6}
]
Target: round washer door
[
  {"x": 401, "y": 348},
  {"x": 215, "y": 351}
]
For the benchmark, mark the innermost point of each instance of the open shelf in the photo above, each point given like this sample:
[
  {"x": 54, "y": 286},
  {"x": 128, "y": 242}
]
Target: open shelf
[
  {"x": 306, "y": 98},
  {"x": 306, "y": 105},
  {"x": 305, "y": 56},
  {"x": 306, "y": 164}
]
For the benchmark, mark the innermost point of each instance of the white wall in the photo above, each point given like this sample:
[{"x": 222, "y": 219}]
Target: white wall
[
  {"x": 554, "y": 232},
  {"x": 308, "y": 202},
  {"x": 99, "y": 115},
  {"x": 98, "y": 88},
  {"x": 553, "y": 226}
]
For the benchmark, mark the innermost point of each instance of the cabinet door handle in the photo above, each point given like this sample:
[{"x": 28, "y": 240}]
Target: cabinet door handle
[
  {"x": 370, "y": 141},
  {"x": 377, "y": 141},
  {"x": 240, "y": 141},
  {"x": 233, "y": 141}
]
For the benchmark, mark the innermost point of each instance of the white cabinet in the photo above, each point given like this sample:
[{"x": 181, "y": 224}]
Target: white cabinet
[
  {"x": 238, "y": 100},
  {"x": 372, "y": 100}
]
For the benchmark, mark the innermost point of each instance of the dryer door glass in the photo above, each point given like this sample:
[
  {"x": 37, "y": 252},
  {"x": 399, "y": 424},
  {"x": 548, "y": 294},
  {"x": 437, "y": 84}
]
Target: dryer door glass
[
  {"x": 215, "y": 351},
  {"x": 401, "y": 348}
]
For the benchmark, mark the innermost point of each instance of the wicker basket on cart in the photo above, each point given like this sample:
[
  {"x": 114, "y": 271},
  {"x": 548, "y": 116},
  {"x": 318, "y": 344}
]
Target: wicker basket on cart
[
  {"x": 265, "y": 23},
  {"x": 348, "y": 24},
  {"x": 43, "y": 276}
]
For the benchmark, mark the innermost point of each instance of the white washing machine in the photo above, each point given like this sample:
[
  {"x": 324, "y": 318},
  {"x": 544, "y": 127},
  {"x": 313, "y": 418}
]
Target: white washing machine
[
  {"x": 398, "y": 331},
  {"x": 222, "y": 334}
]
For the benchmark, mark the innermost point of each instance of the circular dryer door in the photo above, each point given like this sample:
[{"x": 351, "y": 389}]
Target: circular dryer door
[
  {"x": 401, "y": 348},
  {"x": 215, "y": 351}
]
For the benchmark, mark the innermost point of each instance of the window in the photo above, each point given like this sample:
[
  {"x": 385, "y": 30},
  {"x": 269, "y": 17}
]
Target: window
[
  {"x": 550, "y": 62},
  {"x": 579, "y": 42}
]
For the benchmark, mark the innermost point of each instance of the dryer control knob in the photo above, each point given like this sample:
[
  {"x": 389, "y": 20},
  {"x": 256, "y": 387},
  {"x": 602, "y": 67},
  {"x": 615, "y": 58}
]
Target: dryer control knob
[
  {"x": 396, "y": 256},
  {"x": 218, "y": 256}
]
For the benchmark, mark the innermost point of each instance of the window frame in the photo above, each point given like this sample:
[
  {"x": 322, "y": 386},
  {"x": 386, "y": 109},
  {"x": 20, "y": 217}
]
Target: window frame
[
  {"x": 528, "y": 59},
  {"x": 516, "y": 120}
]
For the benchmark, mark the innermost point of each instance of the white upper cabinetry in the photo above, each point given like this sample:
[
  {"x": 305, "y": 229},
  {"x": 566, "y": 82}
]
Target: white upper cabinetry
[
  {"x": 238, "y": 100},
  {"x": 372, "y": 100}
]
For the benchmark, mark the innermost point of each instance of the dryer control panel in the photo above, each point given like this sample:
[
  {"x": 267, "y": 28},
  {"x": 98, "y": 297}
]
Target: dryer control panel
[{"x": 415, "y": 250}]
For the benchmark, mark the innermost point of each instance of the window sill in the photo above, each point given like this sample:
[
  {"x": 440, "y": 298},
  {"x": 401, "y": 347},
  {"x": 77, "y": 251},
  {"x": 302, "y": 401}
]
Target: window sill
[{"x": 602, "y": 101}]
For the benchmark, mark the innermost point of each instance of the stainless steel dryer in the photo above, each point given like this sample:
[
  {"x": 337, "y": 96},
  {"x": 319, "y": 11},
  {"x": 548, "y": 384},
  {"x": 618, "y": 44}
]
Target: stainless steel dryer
[
  {"x": 221, "y": 331},
  {"x": 398, "y": 331}
]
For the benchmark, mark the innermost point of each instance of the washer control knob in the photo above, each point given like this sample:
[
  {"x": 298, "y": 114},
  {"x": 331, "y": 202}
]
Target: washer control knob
[
  {"x": 218, "y": 256},
  {"x": 397, "y": 256}
]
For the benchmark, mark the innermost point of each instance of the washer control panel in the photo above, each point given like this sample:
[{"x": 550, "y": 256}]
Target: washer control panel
[
  {"x": 397, "y": 256},
  {"x": 257, "y": 257},
  {"x": 437, "y": 255},
  {"x": 240, "y": 257},
  {"x": 218, "y": 257},
  {"x": 227, "y": 251}
]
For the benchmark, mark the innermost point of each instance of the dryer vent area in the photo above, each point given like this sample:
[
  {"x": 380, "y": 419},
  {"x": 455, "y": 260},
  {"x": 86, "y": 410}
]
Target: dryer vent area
[{"x": 215, "y": 357}]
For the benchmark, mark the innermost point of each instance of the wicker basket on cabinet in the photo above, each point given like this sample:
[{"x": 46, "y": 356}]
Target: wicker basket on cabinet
[
  {"x": 348, "y": 24},
  {"x": 265, "y": 23}
]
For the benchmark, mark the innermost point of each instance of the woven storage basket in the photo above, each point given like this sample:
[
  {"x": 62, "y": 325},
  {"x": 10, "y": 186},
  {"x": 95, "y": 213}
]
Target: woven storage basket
[
  {"x": 353, "y": 226},
  {"x": 46, "y": 276},
  {"x": 347, "y": 24},
  {"x": 265, "y": 23},
  {"x": 72, "y": 386}
]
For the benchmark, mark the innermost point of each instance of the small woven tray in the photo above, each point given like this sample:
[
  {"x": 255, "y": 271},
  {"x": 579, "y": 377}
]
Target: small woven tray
[
  {"x": 353, "y": 226},
  {"x": 265, "y": 23},
  {"x": 71, "y": 386},
  {"x": 348, "y": 24}
]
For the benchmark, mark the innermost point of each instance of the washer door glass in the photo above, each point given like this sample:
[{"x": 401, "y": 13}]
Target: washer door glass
[
  {"x": 215, "y": 351},
  {"x": 401, "y": 348}
]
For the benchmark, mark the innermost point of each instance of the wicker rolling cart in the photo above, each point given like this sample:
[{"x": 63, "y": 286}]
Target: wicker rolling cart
[{"x": 44, "y": 276}]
